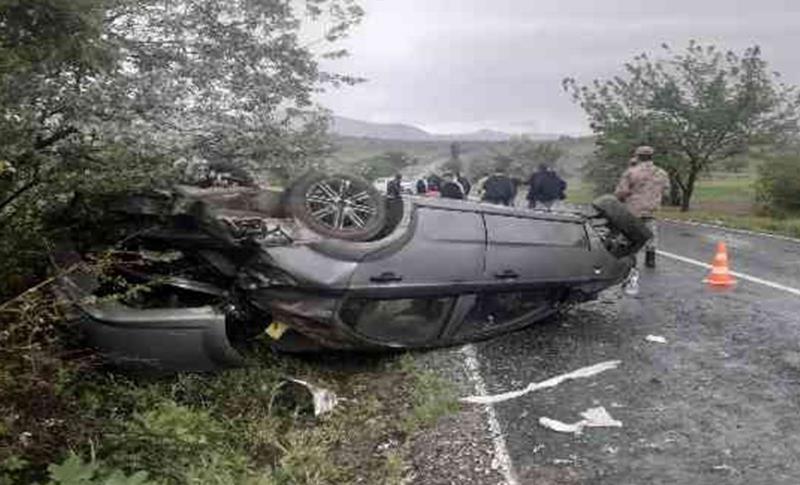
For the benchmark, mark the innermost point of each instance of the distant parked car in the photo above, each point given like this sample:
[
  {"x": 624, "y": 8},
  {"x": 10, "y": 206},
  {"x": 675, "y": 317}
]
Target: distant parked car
[{"x": 324, "y": 265}]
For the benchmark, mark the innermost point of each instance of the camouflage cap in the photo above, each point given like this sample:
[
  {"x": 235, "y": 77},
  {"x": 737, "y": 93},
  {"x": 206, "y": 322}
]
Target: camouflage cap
[{"x": 644, "y": 150}]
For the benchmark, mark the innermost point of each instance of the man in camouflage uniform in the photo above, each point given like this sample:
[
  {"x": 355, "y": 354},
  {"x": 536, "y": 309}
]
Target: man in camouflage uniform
[{"x": 641, "y": 188}]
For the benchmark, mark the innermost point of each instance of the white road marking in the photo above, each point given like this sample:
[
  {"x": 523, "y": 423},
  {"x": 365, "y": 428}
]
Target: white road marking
[
  {"x": 501, "y": 455},
  {"x": 734, "y": 230},
  {"x": 741, "y": 276}
]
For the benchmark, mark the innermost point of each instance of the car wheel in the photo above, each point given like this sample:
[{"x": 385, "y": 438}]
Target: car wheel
[
  {"x": 626, "y": 223},
  {"x": 339, "y": 206}
]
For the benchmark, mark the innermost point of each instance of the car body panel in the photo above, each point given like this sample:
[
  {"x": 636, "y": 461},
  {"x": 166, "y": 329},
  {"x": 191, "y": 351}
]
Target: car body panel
[
  {"x": 446, "y": 271},
  {"x": 447, "y": 247},
  {"x": 180, "y": 339}
]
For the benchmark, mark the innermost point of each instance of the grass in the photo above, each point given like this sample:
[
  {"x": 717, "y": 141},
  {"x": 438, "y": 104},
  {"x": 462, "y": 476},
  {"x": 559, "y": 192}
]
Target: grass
[
  {"x": 579, "y": 192},
  {"x": 432, "y": 398},
  {"x": 64, "y": 420},
  {"x": 725, "y": 199},
  {"x": 789, "y": 226},
  {"x": 726, "y": 188}
]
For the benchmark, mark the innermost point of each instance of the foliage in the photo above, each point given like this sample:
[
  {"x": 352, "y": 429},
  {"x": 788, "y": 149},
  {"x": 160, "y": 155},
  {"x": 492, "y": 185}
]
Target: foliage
[
  {"x": 521, "y": 155},
  {"x": 789, "y": 226},
  {"x": 695, "y": 108},
  {"x": 432, "y": 398},
  {"x": 232, "y": 427},
  {"x": 103, "y": 95},
  {"x": 74, "y": 471},
  {"x": 778, "y": 185},
  {"x": 386, "y": 164},
  {"x": 454, "y": 164},
  {"x": 37, "y": 417}
]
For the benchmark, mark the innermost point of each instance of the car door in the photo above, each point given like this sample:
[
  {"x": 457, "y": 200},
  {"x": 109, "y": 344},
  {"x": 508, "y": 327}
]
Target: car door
[
  {"x": 445, "y": 251},
  {"x": 406, "y": 298},
  {"x": 528, "y": 250}
]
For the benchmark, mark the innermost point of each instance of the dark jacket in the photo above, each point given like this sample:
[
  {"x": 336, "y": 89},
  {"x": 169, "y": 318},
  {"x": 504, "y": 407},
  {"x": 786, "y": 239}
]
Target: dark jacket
[
  {"x": 452, "y": 190},
  {"x": 499, "y": 189},
  {"x": 393, "y": 188},
  {"x": 422, "y": 186},
  {"x": 545, "y": 186},
  {"x": 434, "y": 183}
]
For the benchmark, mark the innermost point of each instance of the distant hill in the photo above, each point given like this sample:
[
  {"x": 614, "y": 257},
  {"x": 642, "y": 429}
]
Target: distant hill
[
  {"x": 434, "y": 153},
  {"x": 349, "y": 127},
  {"x": 384, "y": 131}
]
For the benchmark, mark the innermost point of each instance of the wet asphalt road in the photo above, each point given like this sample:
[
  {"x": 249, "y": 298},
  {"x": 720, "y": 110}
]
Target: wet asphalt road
[{"x": 719, "y": 403}]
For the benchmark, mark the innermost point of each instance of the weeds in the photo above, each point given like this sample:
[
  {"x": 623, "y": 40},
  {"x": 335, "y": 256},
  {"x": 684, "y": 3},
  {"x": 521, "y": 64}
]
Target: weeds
[
  {"x": 432, "y": 397},
  {"x": 66, "y": 421},
  {"x": 789, "y": 226}
]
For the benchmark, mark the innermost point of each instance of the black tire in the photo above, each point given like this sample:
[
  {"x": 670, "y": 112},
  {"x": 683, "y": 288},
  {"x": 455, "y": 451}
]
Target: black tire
[
  {"x": 340, "y": 206},
  {"x": 626, "y": 223}
]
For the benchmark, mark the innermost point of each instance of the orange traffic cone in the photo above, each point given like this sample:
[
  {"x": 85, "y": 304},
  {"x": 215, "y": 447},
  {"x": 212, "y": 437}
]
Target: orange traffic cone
[{"x": 720, "y": 273}]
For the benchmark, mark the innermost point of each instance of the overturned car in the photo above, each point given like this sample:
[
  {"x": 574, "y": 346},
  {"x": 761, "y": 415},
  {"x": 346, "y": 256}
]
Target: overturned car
[{"x": 330, "y": 263}]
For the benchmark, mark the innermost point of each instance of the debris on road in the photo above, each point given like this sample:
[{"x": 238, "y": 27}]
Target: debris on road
[
  {"x": 559, "y": 426},
  {"x": 552, "y": 382},
  {"x": 658, "y": 339},
  {"x": 723, "y": 468},
  {"x": 631, "y": 285},
  {"x": 324, "y": 400},
  {"x": 592, "y": 418}
]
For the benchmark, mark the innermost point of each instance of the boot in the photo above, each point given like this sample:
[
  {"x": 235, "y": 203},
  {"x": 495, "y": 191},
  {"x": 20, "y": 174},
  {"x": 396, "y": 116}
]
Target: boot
[{"x": 650, "y": 259}]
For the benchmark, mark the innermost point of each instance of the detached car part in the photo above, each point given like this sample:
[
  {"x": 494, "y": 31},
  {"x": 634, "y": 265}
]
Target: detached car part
[{"x": 332, "y": 264}]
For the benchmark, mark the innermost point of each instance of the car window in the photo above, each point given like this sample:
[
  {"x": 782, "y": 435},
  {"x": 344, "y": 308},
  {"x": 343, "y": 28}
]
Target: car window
[
  {"x": 520, "y": 230},
  {"x": 490, "y": 310},
  {"x": 397, "y": 320}
]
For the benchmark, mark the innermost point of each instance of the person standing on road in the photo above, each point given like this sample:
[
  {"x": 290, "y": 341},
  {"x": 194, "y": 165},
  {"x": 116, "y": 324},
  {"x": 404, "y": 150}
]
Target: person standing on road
[
  {"x": 394, "y": 187},
  {"x": 452, "y": 188},
  {"x": 434, "y": 185},
  {"x": 464, "y": 183},
  {"x": 545, "y": 187},
  {"x": 422, "y": 186},
  {"x": 641, "y": 188},
  {"x": 499, "y": 189}
]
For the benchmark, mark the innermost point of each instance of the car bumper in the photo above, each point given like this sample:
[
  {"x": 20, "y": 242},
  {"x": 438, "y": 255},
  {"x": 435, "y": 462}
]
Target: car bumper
[{"x": 180, "y": 339}]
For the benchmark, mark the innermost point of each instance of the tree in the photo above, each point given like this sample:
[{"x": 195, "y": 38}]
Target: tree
[
  {"x": 521, "y": 155},
  {"x": 454, "y": 163},
  {"x": 697, "y": 107},
  {"x": 99, "y": 95},
  {"x": 386, "y": 164},
  {"x": 159, "y": 80},
  {"x": 778, "y": 185}
]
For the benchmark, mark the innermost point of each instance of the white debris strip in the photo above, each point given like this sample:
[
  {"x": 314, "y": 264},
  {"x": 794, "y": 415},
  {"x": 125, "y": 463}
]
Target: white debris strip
[
  {"x": 592, "y": 418},
  {"x": 559, "y": 426},
  {"x": 324, "y": 400},
  {"x": 656, "y": 339},
  {"x": 552, "y": 382}
]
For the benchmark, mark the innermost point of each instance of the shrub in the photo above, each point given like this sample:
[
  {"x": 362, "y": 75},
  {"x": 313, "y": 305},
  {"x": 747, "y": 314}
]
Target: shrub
[{"x": 778, "y": 185}]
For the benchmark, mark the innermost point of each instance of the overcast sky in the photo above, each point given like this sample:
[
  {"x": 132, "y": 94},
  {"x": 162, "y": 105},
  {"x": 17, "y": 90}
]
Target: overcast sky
[{"x": 461, "y": 65}]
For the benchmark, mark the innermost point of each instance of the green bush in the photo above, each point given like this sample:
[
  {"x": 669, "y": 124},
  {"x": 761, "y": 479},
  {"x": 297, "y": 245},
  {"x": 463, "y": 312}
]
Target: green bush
[
  {"x": 74, "y": 471},
  {"x": 778, "y": 185}
]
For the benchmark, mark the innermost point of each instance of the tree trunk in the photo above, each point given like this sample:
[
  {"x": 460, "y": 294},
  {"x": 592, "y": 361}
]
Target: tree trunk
[
  {"x": 689, "y": 190},
  {"x": 674, "y": 197}
]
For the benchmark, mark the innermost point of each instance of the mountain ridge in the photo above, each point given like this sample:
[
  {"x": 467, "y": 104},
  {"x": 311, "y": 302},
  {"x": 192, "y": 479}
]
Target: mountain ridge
[{"x": 351, "y": 127}]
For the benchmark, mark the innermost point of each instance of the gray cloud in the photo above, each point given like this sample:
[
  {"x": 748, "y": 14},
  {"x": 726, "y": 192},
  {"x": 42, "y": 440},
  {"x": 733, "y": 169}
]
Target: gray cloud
[{"x": 458, "y": 65}]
